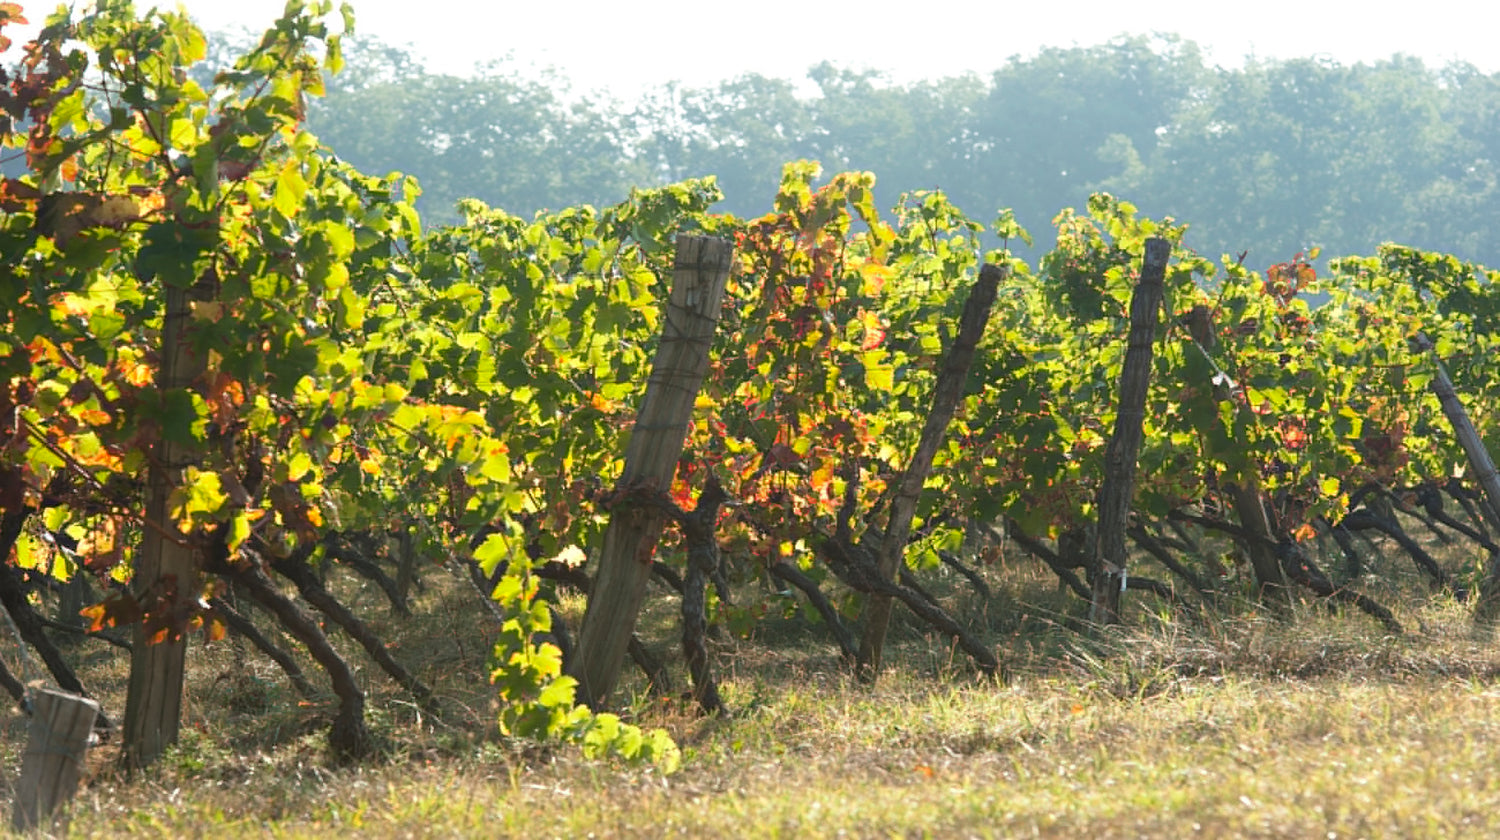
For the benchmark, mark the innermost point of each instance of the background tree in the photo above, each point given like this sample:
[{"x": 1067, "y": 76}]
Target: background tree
[{"x": 1278, "y": 155}]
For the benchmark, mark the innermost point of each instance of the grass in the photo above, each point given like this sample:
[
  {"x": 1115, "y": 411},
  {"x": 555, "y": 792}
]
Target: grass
[{"x": 1236, "y": 726}]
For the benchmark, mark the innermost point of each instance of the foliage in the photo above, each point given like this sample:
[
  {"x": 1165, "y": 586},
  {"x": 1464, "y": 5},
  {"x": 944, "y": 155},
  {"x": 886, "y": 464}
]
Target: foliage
[
  {"x": 470, "y": 386},
  {"x": 316, "y": 412}
]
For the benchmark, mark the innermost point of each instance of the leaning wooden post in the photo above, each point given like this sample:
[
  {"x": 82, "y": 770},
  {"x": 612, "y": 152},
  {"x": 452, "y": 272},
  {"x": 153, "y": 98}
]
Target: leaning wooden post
[
  {"x": 1488, "y": 608},
  {"x": 701, "y": 271},
  {"x": 945, "y": 398},
  {"x": 55, "y": 750},
  {"x": 1125, "y": 444}
]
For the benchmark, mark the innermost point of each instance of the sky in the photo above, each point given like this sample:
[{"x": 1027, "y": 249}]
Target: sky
[{"x": 625, "y": 47}]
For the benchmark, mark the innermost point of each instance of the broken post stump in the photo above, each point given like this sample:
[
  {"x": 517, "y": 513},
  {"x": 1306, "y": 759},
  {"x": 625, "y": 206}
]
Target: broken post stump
[{"x": 60, "y": 726}]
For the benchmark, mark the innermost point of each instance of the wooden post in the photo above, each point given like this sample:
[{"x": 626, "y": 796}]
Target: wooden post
[
  {"x": 166, "y": 574},
  {"x": 55, "y": 750},
  {"x": 1488, "y": 608},
  {"x": 406, "y": 565},
  {"x": 1125, "y": 444},
  {"x": 946, "y": 395},
  {"x": 700, "y": 273}
]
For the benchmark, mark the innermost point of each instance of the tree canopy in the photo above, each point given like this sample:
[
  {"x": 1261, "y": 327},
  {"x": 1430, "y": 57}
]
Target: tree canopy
[{"x": 1276, "y": 156}]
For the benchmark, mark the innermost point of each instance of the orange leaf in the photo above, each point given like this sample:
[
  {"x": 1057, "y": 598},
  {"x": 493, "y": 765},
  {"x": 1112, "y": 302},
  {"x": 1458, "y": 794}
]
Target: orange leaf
[
  {"x": 225, "y": 394},
  {"x": 96, "y": 616},
  {"x": 148, "y": 200},
  {"x": 137, "y": 373}
]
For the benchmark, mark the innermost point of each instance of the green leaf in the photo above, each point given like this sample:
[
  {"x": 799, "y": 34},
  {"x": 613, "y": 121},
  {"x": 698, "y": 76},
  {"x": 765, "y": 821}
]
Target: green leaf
[
  {"x": 291, "y": 189},
  {"x": 298, "y": 466},
  {"x": 183, "y": 134},
  {"x": 239, "y": 530},
  {"x": 496, "y": 466},
  {"x": 172, "y": 252},
  {"x": 184, "y": 416},
  {"x": 334, "y": 60},
  {"x": 558, "y": 692},
  {"x": 495, "y": 549},
  {"x": 200, "y": 496},
  {"x": 880, "y": 375}
]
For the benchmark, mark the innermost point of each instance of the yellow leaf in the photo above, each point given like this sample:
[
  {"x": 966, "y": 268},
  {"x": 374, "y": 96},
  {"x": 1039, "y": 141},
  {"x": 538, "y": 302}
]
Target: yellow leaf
[
  {"x": 69, "y": 303},
  {"x": 239, "y": 530},
  {"x": 201, "y": 492},
  {"x": 207, "y": 310},
  {"x": 27, "y": 552},
  {"x": 291, "y": 188}
]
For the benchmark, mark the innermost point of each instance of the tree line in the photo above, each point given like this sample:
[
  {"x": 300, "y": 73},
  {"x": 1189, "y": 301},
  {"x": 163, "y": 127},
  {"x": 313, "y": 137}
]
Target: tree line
[{"x": 1275, "y": 156}]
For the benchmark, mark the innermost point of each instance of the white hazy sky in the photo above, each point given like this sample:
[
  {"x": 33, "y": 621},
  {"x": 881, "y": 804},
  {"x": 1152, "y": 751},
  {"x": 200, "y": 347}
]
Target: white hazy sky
[{"x": 627, "y": 46}]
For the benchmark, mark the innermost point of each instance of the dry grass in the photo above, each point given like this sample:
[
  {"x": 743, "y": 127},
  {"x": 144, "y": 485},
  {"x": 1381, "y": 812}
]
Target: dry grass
[{"x": 1240, "y": 726}]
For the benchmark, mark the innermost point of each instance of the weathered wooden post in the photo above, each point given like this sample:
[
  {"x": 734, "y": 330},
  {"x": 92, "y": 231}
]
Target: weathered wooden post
[
  {"x": 700, "y": 273},
  {"x": 947, "y": 394},
  {"x": 1488, "y": 608},
  {"x": 1125, "y": 444},
  {"x": 167, "y": 574},
  {"x": 406, "y": 573},
  {"x": 55, "y": 750}
]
